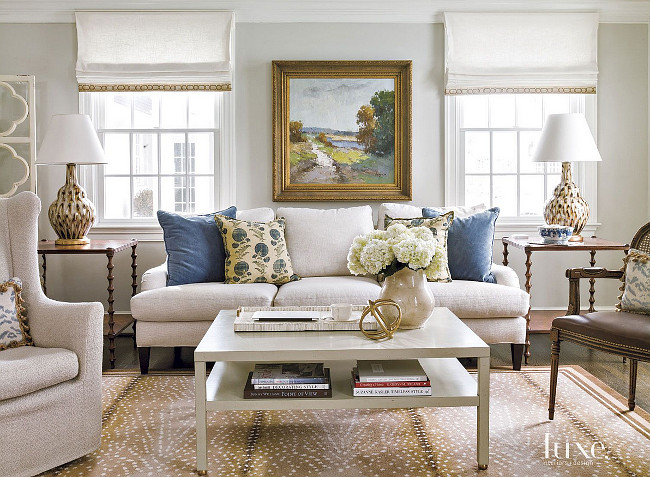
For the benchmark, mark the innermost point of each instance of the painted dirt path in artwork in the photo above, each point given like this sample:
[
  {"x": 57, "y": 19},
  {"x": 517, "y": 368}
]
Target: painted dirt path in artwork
[{"x": 320, "y": 170}]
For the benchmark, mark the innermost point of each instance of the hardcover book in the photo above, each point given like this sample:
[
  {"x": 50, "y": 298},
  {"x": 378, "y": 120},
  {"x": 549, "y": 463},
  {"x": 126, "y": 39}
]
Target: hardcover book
[
  {"x": 388, "y": 371},
  {"x": 251, "y": 393},
  {"x": 391, "y": 391},
  {"x": 296, "y": 386},
  {"x": 289, "y": 373},
  {"x": 386, "y": 384}
]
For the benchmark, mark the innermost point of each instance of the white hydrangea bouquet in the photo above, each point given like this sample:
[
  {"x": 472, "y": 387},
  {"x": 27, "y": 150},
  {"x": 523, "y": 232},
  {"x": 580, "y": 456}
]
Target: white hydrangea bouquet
[{"x": 385, "y": 252}]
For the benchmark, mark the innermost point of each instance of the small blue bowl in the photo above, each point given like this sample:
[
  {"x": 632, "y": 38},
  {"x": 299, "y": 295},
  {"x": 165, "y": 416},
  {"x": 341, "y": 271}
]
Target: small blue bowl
[{"x": 556, "y": 234}]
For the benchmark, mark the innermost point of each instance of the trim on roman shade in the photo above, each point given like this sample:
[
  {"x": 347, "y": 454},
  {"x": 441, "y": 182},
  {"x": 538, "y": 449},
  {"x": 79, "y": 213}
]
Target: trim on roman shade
[
  {"x": 154, "y": 51},
  {"x": 489, "y": 53}
]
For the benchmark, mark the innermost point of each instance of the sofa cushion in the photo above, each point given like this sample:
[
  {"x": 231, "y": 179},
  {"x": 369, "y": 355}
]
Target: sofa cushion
[
  {"x": 256, "y": 252},
  {"x": 260, "y": 214},
  {"x": 28, "y": 369},
  {"x": 319, "y": 240},
  {"x": 194, "y": 247},
  {"x": 324, "y": 291},
  {"x": 198, "y": 301},
  {"x": 469, "y": 245},
  {"x": 438, "y": 269},
  {"x": 469, "y": 299},
  {"x": 14, "y": 330}
]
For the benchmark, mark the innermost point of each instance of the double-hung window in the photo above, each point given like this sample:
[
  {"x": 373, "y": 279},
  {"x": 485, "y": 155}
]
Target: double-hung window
[{"x": 162, "y": 150}]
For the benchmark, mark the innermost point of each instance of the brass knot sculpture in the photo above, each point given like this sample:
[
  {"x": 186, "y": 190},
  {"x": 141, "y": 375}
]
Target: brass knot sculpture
[{"x": 387, "y": 324}]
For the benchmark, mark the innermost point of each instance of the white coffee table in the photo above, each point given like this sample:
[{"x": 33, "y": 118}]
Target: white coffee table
[{"x": 443, "y": 339}]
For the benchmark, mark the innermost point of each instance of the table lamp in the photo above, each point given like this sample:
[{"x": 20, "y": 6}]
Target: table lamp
[
  {"x": 566, "y": 138},
  {"x": 71, "y": 139}
]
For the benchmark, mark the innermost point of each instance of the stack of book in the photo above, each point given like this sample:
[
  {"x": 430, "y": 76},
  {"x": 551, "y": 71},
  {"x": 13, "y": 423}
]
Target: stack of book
[
  {"x": 390, "y": 378},
  {"x": 288, "y": 380}
]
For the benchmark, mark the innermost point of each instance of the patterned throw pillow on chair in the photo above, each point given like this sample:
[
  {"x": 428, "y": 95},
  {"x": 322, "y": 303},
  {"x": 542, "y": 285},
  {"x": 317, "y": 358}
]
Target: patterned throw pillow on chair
[
  {"x": 14, "y": 330},
  {"x": 256, "y": 252},
  {"x": 439, "y": 226},
  {"x": 636, "y": 279}
]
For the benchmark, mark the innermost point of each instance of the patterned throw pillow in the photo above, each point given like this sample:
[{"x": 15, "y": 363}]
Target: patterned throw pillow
[
  {"x": 636, "y": 277},
  {"x": 439, "y": 226},
  {"x": 256, "y": 252},
  {"x": 14, "y": 330}
]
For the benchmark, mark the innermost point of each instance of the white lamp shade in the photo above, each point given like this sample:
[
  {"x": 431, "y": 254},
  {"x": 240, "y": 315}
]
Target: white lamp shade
[
  {"x": 566, "y": 138},
  {"x": 70, "y": 139}
]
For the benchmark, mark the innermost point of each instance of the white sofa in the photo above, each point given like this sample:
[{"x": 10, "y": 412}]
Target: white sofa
[{"x": 318, "y": 243}]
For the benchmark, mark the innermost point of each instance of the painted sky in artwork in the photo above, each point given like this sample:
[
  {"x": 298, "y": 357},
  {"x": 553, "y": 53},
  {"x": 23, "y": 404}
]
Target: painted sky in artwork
[{"x": 332, "y": 102}]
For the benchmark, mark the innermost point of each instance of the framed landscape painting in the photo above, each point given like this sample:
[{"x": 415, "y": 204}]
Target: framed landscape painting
[{"x": 341, "y": 130}]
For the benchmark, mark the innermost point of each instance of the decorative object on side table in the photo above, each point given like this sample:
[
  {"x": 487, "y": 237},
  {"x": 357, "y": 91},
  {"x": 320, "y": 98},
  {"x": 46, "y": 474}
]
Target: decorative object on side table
[
  {"x": 566, "y": 138},
  {"x": 71, "y": 139},
  {"x": 405, "y": 256},
  {"x": 387, "y": 324},
  {"x": 555, "y": 234}
]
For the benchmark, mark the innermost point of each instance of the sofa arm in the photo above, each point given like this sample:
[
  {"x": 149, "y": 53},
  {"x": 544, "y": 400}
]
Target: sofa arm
[
  {"x": 505, "y": 275},
  {"x": 77, "y": 327},
  {"x": 154, "y": 278}
]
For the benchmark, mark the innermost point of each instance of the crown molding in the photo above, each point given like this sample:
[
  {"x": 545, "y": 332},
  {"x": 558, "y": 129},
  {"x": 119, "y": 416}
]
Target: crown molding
[{"x": 319, "y": 11}]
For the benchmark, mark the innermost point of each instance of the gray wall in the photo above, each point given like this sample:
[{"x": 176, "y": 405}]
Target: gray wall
[{"x": 49, "y": 50}]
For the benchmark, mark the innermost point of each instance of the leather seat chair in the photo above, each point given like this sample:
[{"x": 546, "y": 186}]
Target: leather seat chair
[{"x": 622, "y": 333}]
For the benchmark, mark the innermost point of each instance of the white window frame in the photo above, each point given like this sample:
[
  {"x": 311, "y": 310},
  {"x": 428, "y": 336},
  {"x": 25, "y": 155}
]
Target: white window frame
[
  {"x": 584, "y": 173},
  {"x": 92, "y": 178}
]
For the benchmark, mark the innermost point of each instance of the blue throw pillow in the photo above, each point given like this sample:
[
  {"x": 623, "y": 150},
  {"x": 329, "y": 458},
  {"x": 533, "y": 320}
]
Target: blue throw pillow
[
  {"x": 469, "y": 245},
  {"x": 194, "y": 247}
]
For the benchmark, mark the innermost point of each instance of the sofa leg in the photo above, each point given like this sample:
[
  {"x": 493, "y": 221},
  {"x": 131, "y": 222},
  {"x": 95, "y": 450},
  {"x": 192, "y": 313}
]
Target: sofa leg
[
  {"x": 177, "y": 357},
  {"x": 143, "y": 353},
  {"x": 516, "y": 352}
]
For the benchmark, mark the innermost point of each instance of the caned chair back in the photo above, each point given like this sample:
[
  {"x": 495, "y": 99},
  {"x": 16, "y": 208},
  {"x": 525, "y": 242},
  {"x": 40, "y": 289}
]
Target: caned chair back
[{"x": 641, "y": 240}]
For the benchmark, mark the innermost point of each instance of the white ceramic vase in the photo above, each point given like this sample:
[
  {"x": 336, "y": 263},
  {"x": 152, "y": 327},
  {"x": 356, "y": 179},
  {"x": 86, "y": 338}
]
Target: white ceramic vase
[{"x": 410, "y": 290}]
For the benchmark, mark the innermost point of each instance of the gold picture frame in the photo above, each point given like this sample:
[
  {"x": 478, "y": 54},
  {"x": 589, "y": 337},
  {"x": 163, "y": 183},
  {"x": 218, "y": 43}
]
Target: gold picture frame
[{"x": 342, "y": 130}]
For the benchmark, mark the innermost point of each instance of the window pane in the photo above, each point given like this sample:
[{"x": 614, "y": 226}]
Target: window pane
[
  {"x": 552, "y": 181},
  {"x": 201, "y": 153},
  {"x": 172, "y": 158},
  {"x": 173, "y": 194},
  {"x": 117, "y": 110},
  {"x": 146, "y": 110},
  {"x": 145, "y": 196},
  {"x": 117, "y": 197},
  {"x": 477, "y": 190},
  {"x": 532, "y": 195},
  {"x": 145, "y": 154},
  {"x": 174, "y": 111},
  {"x": 556, "y": 103},
  {"x": 202, "y": 197},
  {"x": 477, "y": 153},
  {"x": 529, "y": 110},
  {"x": 504, "y": 194},
  {"x": 527, "y": 144},
  {"x": 504, "y": 154},
  {"x": 554, "y": 168},
  {"x": 116, "y": 151},
  {"x": 502, "y": 111},
  {"x": 475, "y": 111},
  {"x": 202, "y": 109}
]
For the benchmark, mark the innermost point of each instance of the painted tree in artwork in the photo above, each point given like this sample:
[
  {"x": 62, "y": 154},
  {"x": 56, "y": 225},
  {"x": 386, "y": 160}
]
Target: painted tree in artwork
[
  {"x": 295, "y": 131},
  {"x": 383, "y": 103},
  {"x": 367, "y": 124}
]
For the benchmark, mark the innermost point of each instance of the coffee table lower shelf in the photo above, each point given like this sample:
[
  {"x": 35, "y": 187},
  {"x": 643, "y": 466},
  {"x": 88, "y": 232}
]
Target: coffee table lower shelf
[{"x": 451, "y": 385}]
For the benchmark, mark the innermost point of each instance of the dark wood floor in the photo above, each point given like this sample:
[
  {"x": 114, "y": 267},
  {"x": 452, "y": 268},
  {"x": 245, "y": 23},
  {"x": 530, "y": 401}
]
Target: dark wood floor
[{"x": 606, "y": 367}]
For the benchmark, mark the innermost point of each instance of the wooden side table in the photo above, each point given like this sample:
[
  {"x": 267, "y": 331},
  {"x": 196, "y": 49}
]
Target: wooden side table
[
  {"x": 105, "y": 247},
  {"x": 591, "y": 245}
]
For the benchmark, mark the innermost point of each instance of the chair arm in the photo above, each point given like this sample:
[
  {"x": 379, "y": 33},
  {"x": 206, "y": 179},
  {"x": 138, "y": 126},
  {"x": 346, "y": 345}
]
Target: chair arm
[
  {"x": 154, "y": 278},
  {"x": 77, "y": 327},
  {"x": 505, "y": 275},
  {"x": 575, "y": 274}
]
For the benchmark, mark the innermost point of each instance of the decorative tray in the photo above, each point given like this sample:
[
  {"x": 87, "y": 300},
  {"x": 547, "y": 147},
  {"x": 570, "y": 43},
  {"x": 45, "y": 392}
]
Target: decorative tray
[{"x": 244, "y": 320}]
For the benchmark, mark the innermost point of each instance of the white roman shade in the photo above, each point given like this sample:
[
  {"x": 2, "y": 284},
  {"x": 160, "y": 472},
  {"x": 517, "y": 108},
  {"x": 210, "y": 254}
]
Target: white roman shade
[
  {"x": 521, "y": 53},
  {"x": 137, "y": 51}
]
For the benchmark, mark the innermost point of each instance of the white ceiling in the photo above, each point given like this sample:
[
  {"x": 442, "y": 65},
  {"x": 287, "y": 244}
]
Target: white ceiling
[{"x": 346, "y": 11}]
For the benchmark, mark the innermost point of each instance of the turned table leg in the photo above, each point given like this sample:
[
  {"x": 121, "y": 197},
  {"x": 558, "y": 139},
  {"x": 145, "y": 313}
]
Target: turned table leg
[
  {"x": 134, "y": 283},
  {"x": 528, "y": 287},
  {"x": 111, "y": 311},
  {"x": 44, "y": 273},
  {"x": 505, "y": 254},
  {"x": 592, "y": 283}
]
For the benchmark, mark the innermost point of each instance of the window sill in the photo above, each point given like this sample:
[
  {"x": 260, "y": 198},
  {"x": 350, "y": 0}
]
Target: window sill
[{"x": 142, "y": 232}]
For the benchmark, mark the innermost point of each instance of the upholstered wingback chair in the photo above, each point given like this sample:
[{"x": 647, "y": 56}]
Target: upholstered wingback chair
[{"x": 50, "y": 393}]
